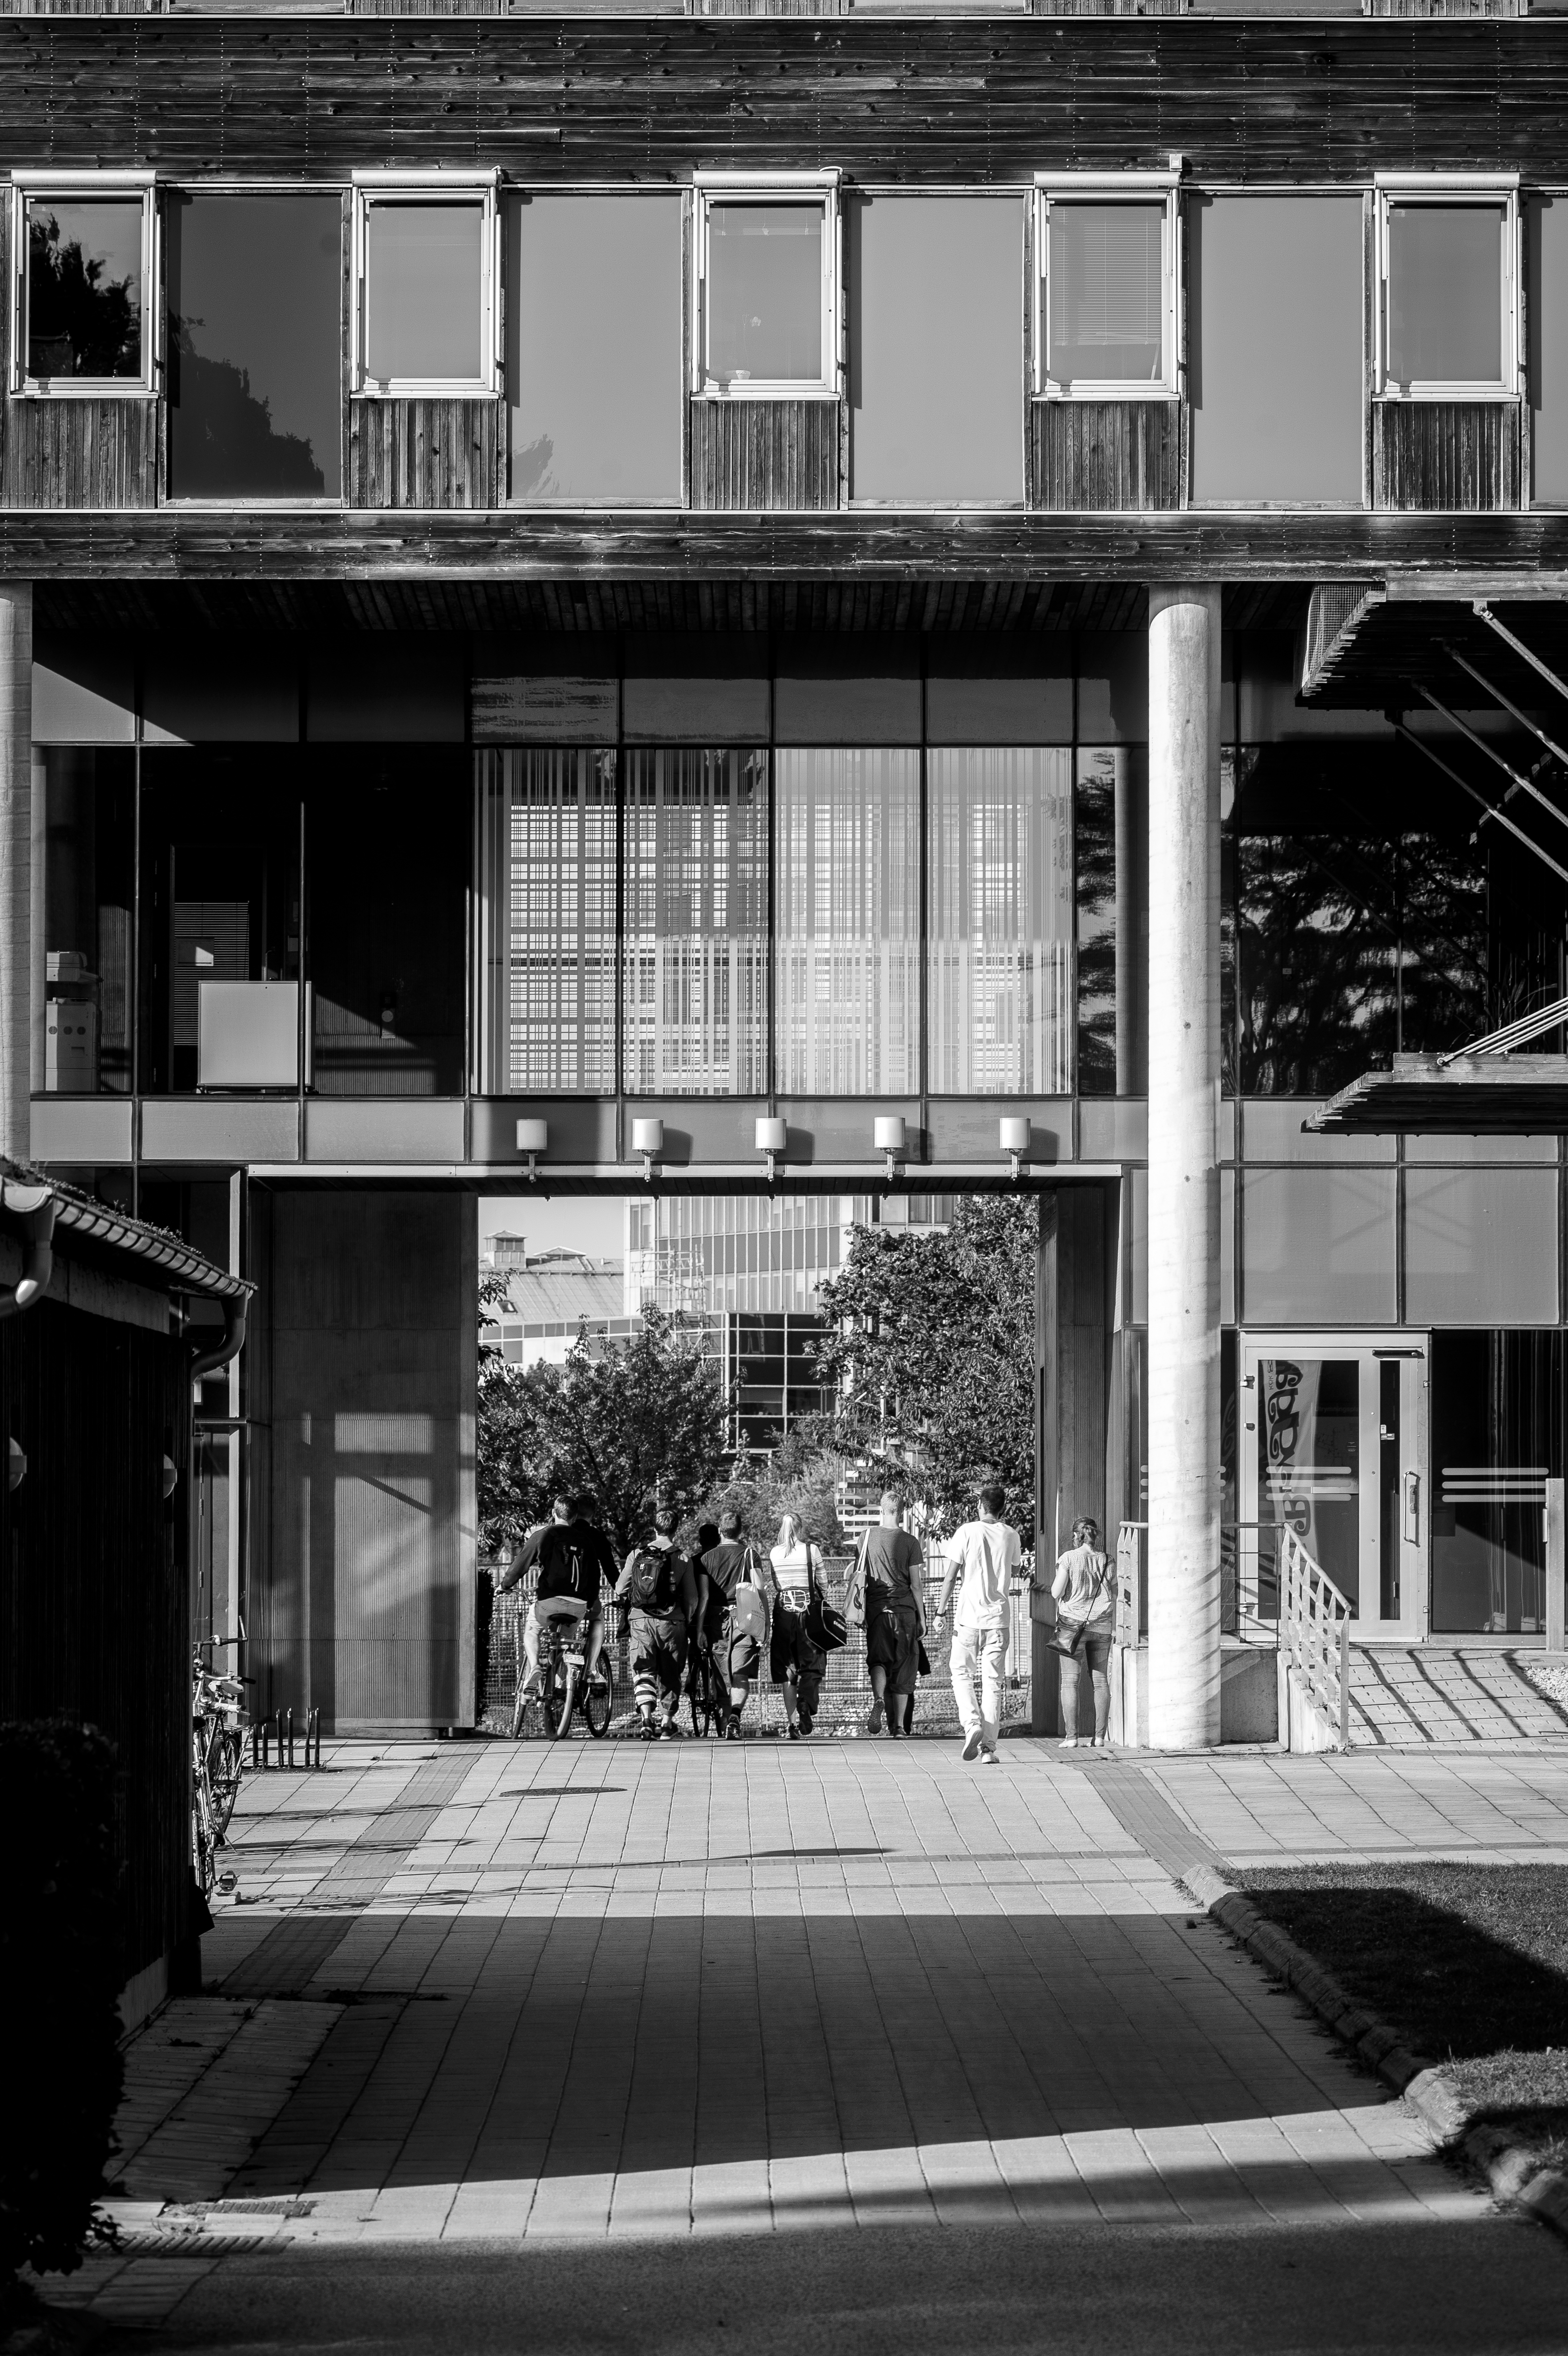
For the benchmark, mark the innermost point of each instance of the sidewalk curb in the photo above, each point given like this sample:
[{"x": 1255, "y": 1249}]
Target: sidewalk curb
[{"x": 1511, "y": 2168}]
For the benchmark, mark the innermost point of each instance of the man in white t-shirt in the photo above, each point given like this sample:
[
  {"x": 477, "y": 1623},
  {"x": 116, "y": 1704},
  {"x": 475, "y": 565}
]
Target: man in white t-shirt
[{"x": 982, "y": 1557}]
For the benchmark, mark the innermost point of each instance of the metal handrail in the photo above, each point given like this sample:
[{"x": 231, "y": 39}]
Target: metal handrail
[{"x": 1314, "y": 1633}]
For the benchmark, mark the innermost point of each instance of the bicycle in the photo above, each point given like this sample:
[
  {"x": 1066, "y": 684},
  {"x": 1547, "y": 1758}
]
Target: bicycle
[
  {"x": 219, "y": 1724},
  {"x": 706, "y": 1704},
  {"x": 564, "y": 1684}
]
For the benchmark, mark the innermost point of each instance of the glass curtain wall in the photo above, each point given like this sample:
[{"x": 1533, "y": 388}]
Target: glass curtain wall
[
  {"x": 846, "y": 957},
  {"x": 999, "y": 867},
  {"x": 545, "y": 932},
  {"x": 694, "y": 961},
  {"x": 1497, "y": 1439},
  {"x": 89, "y": 903}
]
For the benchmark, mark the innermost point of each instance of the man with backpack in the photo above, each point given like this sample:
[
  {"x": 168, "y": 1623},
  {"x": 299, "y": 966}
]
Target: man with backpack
[
  {"x": 657, "y": 1592},
  {"x": 733, "y": 1621},
  {"x": 574, "y": 1561}
]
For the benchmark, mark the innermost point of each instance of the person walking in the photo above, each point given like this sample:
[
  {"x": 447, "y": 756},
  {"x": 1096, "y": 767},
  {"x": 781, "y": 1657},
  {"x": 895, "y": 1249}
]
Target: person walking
[
  {"x": 982, "y": 1557},
  {"x": 733, "y": 1620},
  {"x": 794, "y": 1661},
  {"x": 884, "y": 1598},
  {"x": 657, "y": 1592},
  {"x": 1086, "y": 1591}
]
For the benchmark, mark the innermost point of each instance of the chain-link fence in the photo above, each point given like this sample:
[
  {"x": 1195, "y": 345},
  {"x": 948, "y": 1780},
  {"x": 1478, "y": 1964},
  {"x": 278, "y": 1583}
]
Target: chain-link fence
[{"x": 846, "y": 1684}]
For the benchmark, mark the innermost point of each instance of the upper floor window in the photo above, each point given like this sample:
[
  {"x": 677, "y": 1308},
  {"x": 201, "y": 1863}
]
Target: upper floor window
[
  {"x": 84, "y": 270},
  {"x": 1447, "y": 312},
  {"x": 424, "y": 277},
  {"x": 766, "y": 313},
  {"x": 1106, "y": 285}
]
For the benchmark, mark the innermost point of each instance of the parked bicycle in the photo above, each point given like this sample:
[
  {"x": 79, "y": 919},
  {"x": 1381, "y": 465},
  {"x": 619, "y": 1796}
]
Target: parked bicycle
[
  {"x": 563, "y": 1683},
  {"x": 220, "y": 1721}
]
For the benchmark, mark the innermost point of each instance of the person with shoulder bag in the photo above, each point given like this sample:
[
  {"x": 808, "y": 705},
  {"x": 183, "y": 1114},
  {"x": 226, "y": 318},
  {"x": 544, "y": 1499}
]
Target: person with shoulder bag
[
  {"x": 1084, "y": 1588},
  {"x": 794, "y": 1658},
  {"x": 733, "y": 1615}
]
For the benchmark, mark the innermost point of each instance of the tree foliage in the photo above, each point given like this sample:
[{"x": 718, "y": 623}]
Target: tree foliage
[
  {"x": 800, "y": 1478},
  {"x": 630, "y": 1425},
  {"x": 931, "y": 1341}
]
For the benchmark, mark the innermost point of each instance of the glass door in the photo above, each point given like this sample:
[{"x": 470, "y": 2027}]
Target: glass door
[{"x": 1333, "y": 1446}]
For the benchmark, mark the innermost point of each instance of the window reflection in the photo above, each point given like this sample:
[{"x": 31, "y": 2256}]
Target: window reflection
[
  {"x": 1110, "y": 829},
  {"x": 84, "y": 287},
  {"x": 1497, "y": 1437},
  {"x": 89, "y": 828},
  {"x": 847, "y": 896},
  {"x": 255, "y": 298},
  {"x": 424, "y": 294},
  {"x": 546, "y": 946},
  {"x": 764, "y": 292},
  {"x": 999, "y": 878},
  {"x": 695, "y": 986}
]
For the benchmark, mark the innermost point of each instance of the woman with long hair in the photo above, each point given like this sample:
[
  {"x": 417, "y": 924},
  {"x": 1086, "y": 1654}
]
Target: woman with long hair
[{"x": 794, "y": 1662}]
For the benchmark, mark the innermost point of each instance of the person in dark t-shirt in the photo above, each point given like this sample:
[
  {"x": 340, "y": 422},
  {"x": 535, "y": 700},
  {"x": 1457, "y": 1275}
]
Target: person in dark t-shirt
[
  {"x": 727, "y": 1633},
  {"x": 886, "y": 1586},
  {"x": 575, "y": 1561}
]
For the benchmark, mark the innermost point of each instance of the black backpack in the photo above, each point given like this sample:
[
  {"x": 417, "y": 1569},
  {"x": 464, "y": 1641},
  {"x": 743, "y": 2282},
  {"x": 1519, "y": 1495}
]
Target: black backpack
[{"x": 653, "y": 1577}]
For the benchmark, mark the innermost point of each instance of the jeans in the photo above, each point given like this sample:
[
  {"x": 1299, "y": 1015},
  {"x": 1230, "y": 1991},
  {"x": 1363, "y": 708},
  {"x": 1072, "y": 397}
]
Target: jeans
[
  {"x": 983, "y": 1652},
  {"x": 1094, "y": 1654}
]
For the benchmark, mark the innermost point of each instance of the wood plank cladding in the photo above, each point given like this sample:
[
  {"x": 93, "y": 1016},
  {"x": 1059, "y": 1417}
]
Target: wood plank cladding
[
  {"x": 751, "y": 456},
  {"x": 1094, "y": 457},
  {"x": 680, "y": 555},
  {"x": 422, "y": 454},
  {"x": 62, "y": 452},
  {"x": 922, "y": 102},
  {"x": 1445, "y": 454}
]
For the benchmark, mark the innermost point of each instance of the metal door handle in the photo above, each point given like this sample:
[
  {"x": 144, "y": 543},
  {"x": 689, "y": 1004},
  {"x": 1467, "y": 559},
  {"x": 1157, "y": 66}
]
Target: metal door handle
[{"x": 1412, "y": 1508}]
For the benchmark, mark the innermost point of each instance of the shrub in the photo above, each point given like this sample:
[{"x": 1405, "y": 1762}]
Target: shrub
[{"x": 59, "y": 1975}]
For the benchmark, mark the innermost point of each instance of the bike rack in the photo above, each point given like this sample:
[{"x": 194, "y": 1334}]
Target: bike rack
[{"x": 313, "y": 1732}]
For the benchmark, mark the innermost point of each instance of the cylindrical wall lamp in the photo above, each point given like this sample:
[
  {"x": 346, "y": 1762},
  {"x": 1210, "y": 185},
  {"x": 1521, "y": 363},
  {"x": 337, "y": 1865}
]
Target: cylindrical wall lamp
[
  {"x": 1014, "y": 1139},
  {"x": 647, "y": 1139},
  {"x": 773, "y": 1137},
  {"x": 533, "y": 1138},
  {"x": 891, "y": 1136}
]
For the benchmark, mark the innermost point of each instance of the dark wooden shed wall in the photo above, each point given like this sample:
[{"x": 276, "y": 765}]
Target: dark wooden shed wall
[{"x": 96, "y": 1622}]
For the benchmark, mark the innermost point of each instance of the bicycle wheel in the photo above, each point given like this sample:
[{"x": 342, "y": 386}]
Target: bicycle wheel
[
  {"x": 225, "y": 1765},
  {"x": 561, "y": 1701},
  {"x": 203, "y": 1846},
  {"x": 599, "y": 1704},
  {"x": 699, "y": 1694}
]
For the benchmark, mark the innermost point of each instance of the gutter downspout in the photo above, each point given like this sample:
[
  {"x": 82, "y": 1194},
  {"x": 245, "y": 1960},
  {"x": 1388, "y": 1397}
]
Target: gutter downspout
[
  {"x": 35, "y": 1206},
  {"x": 207, "y": 1362}
]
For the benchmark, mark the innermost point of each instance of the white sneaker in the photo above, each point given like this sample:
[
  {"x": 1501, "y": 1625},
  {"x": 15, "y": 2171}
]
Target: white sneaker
[
  {"x": 988, "y": 1756},
  {"x": 972, "y": 1744},
  {"x": 1070, "y": 1742}
]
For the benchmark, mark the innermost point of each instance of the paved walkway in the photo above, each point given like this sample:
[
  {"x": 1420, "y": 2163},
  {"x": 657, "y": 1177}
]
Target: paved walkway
[{"x": 897, "y": 2052}]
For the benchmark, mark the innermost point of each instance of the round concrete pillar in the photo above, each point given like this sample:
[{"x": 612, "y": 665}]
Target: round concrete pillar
[
  {"x": 1183, "y": 1168},
  {"x": 16, "y": 867}
]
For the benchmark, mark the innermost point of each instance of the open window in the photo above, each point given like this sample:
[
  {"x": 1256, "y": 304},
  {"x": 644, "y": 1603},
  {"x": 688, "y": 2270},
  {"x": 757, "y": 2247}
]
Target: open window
[
  {"x": 424, "y": 284},
  {"x": 766, "y": 286},
  {"x": 1447, "y": 308},
  {"x": 1107, "y": 286},
  {"x": 84, "y": 274}
]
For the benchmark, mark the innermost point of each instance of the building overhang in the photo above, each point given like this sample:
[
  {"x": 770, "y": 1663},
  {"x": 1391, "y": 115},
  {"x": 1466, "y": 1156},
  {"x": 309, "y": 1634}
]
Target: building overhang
[{"x": 1467, "y": 1095}]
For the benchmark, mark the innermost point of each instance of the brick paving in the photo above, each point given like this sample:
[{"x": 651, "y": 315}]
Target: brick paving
[{"x": 621, "y": 1993}]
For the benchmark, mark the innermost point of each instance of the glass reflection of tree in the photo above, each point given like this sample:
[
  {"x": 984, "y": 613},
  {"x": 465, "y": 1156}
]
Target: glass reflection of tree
[
  {"x": 1350, "y": 948},
  {"x": 225, "y": 441},
  {"x": 1094, "y": 850},
  {"x": 79, "y": 323}
]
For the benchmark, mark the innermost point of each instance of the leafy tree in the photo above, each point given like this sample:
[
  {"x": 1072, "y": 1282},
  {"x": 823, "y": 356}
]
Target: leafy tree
[
  {"x": 79, "y": 322},
  {"x": 931, "y": 1342},
  {"x": 634, "y": 1424},
  {"x": 800, "y": 1478}
]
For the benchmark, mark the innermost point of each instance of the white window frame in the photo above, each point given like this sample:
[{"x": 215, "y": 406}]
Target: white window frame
[
  {"x": 24, "y": 187},
  {"x": 819, "y": 190},
  {"x": 1448, "y": 188},
  {"x": 371, "y": 189},
  {"x": 1107, "y": 187}
]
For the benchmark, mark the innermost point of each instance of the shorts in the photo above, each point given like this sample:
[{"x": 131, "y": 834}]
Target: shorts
[
  {"x": 791, "y": 1649},
  {"x": 892, "y": 1642},
  {"x": 734, "y": 1658},
  {"x": 554, "y": 1607},
  {"x": 658, "y": 1653}
]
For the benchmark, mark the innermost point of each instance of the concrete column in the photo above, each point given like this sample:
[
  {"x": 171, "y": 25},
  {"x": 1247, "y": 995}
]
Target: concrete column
[
  {"x": 16, "y": 867},
  {"x": 1183, "y": 1168}
]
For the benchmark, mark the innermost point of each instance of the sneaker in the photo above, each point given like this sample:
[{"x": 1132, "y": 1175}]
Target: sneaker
[
  {"x": 669, "y": 1732},
  {"x": 795, "y": 1729},
  {"x": 732, "y": 1730},
  {"x": 1070, "y": 1742},
  {"x": 647, "y": 1725},
  {"x": 874, "y": 1720},
  {"x": 530, "y": 1688},
  {"x": 988, "y": 1755},
  {"x": 972, "y": 1744}
]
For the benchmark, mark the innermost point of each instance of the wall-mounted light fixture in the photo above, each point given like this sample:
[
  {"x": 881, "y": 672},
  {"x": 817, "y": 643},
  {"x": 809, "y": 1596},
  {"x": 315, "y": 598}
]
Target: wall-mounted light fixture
[
  {"x": 171, "y": 1474},
  {"x": 891, "y": 1140},
  {"x": 533, "y": 1138},
  {"x": 16, "y": 1471},
  {"x": 773, "y": 1136},
  {"x": 647, "y": 1139},
  {"x": 1014, "y": 1135}
]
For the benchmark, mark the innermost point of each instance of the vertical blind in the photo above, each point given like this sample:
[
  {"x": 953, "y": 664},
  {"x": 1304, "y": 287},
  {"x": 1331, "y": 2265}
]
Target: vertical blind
[
  {"x": 1001, "y": 960},
  {"x": 847, "y": 962},
  {"x": 695, "y": 957}
]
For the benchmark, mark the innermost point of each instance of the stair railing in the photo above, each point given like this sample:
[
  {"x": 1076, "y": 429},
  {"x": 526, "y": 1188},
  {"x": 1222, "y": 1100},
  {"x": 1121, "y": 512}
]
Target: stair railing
[{"x": 1314, "y": 1633}]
